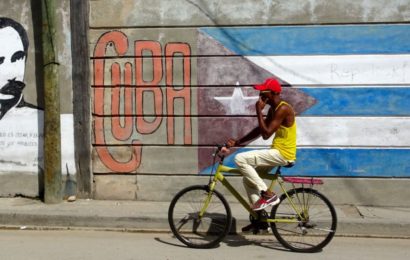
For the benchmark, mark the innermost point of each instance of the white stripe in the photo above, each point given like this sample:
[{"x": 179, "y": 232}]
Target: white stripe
[
  {"x": 337, "y": 69},
  {"x": 348, "y": 131}
]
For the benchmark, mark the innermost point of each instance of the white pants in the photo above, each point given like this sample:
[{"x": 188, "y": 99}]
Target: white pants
[{"x": 262, "y": 160}]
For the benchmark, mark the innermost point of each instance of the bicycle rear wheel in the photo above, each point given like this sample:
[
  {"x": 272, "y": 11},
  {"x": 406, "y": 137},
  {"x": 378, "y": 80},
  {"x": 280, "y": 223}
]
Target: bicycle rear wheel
[
  {"x": 313, "y": 227},
  {"x": 197, "y": 231}
]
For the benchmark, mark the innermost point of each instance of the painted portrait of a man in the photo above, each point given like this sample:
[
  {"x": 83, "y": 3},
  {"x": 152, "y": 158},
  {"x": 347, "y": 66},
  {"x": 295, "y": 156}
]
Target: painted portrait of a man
[
  {"x": 13, "y": 55},
  {"x": 21, "y": 123}
]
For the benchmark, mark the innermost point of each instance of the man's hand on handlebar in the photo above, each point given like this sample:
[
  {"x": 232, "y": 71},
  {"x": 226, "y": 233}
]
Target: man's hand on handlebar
[{"x": 225, "y": 149}]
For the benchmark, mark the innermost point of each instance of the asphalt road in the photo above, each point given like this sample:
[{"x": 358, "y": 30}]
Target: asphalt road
[{"x": 83, "y": 244}]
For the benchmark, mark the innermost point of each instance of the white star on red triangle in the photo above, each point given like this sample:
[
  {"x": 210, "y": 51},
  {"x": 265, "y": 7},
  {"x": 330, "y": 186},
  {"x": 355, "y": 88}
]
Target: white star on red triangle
[{"x": 237, "y": 104}]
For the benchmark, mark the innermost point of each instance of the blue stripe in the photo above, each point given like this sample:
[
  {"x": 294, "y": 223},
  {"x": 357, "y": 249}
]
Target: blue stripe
[
  {"x": 315, "y": 40},
  {"x": 365, "y": 101},
  {"x": 345, "y": 163}
]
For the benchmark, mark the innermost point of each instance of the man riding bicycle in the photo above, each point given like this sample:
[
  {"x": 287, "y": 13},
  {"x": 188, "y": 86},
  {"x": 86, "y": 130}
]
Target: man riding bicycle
[{"x": 280, "y": 121}]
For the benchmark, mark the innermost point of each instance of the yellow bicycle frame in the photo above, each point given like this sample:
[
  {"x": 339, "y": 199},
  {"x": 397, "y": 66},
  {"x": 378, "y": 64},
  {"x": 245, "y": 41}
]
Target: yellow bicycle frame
[{"x": 235, "y": 171}]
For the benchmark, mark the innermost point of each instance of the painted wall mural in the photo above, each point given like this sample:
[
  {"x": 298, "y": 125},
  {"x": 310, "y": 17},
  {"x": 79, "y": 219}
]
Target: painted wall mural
[
  {"x": 134, "y": 104},
  {"x": 21, "y": 123},
  {"x": 358, "y": 77},
  {"x": 156, "y": 101}
]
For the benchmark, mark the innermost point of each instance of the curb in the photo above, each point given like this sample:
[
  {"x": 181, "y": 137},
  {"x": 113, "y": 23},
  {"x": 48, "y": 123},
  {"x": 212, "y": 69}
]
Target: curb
[
  {"x": 149, "y": 216},
  {"x": 361, "y": 228}
]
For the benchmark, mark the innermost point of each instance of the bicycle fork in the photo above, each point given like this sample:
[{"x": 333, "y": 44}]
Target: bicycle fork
[{"x": 208, "y": 198}]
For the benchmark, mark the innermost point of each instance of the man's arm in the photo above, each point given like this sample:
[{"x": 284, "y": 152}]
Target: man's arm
[
  {"x": 273, "y": 121},
  {"x": 252, "y": 135}
]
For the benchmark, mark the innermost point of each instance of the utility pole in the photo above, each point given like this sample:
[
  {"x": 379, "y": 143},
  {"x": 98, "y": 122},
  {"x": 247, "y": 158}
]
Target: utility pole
[
  {"x": 79, "y": 16},
  {"x": 52, "y": 133}
]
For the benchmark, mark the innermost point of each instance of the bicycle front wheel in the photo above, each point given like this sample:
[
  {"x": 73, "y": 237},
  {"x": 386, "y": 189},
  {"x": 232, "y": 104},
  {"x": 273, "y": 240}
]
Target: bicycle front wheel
[
  {"x": 305, "y": 221},
  {"x": 197, "y": 219}
]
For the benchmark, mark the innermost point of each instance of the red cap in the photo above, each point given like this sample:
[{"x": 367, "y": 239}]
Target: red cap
[{"x": 270, "y": 84}]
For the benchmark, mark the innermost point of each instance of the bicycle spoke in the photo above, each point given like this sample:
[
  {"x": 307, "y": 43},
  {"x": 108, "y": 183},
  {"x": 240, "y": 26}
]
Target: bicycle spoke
[
  {"x": 182, "y": 222},
  {"x": 191, "y": 228},
  {"x": 316, "y": 225}
]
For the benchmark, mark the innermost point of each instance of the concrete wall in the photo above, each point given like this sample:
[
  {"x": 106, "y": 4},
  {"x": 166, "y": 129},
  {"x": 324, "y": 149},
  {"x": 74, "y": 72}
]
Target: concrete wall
[
  {"x": 21, "y": 123},
  {"x": 172, "y": 78},
  {"x": 169, "y": 79}
]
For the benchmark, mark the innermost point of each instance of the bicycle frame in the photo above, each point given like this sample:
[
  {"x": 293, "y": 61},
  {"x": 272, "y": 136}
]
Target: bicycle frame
[{"x": 219, "y": 177}]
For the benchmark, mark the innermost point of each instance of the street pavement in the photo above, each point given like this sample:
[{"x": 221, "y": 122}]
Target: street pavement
[
  {"x": 107, "y": 245},
  {"x": 26, "y": 213}
]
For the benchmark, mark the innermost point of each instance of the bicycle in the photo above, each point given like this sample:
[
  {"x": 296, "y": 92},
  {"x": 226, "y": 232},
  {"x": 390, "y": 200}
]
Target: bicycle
[{"x": 304, "y": 220}]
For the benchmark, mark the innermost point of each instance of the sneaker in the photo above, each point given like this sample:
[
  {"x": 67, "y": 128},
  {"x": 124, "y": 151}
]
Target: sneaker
[
  {"x": 248, "y": 228},
  {"x": 256, "y": 228},
  {"x": 265, "y": 201}
]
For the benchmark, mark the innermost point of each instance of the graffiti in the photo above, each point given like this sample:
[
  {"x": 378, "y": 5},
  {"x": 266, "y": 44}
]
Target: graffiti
[
  {"x": 21, "y": 123},
  {"x": 351, "y": 92},
  {"x": 13, "y": 52},
  {"x": 19, "y": 130},
  {"x": 140, "y": 86},
  {"x": 129, "y": 92}
]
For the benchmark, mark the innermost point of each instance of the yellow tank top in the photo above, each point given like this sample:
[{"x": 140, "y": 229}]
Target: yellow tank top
[{"x": 285, "y": 139}]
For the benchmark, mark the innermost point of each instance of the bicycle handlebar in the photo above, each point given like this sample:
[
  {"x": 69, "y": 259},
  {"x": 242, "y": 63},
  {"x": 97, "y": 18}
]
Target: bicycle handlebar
[
  {"x": 220, "y": 146},
  {"x": 218, "y": 150}
]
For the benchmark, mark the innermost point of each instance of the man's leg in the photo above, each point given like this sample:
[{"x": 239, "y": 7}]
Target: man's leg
[
  {"x": 253, "y": 184},
  {"x": 247, "y": 162},
  {"x": 264, "y": 160},
  {"x": 252, "y": 191}
]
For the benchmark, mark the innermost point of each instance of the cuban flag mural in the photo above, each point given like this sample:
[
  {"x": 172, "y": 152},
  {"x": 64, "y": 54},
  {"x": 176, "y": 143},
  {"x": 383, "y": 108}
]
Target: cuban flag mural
[{"x": 349, "y": 84}]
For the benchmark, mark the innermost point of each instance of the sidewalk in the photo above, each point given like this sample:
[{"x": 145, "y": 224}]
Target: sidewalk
[{"x": 152, "y": 216}]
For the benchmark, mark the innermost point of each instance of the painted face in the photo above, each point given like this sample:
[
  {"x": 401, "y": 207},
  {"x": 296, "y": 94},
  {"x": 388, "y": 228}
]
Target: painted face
[{"x": 12, "y": 59}]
